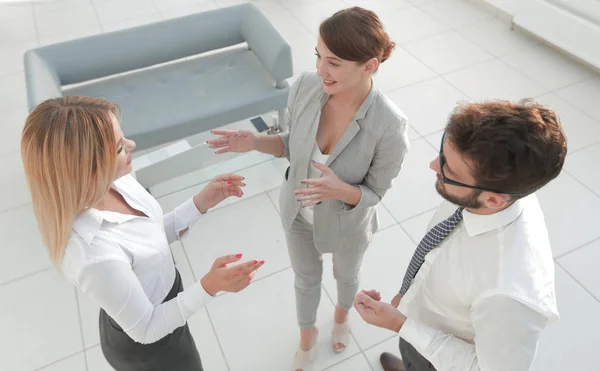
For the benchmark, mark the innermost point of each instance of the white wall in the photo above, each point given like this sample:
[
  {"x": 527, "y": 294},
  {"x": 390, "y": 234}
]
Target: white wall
[{"x": 573, "y": 26}]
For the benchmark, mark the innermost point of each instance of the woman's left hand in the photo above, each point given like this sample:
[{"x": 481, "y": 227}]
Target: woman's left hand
[
  {"x": 327, "y": 187},
  {"x": 220, "y": 188}
]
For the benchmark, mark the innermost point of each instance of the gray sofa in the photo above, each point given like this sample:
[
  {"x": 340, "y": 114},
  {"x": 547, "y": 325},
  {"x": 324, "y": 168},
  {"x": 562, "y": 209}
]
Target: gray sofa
[{"x": 173, "y": 78}]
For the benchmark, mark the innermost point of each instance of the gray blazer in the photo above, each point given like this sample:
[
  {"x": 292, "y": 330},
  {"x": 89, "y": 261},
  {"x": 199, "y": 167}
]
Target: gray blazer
[{"x": 369, "y": 155}]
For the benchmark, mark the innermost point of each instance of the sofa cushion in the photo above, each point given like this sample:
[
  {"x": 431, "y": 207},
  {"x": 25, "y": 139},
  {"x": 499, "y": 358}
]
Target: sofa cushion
[{"x": 189, "y": 96}]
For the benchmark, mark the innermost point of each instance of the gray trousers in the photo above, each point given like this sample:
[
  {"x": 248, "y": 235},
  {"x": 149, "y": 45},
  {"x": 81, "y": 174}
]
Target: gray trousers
[
  {"x": 413, "y": 360},
  {"x": 308, "y": 268}
]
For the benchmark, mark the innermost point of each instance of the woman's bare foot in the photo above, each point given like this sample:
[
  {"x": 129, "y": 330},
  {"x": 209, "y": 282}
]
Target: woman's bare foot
[
  {"x": 341, "y": 315},
  {"x": 308, "y": 338}
]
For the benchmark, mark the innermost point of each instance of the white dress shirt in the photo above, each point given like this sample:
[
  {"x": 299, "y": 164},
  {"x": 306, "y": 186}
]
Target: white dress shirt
[
  {"x": 124, "y": 263},
  {"x": 482, "y": 297},
  {"x": 318, "y": 156}
]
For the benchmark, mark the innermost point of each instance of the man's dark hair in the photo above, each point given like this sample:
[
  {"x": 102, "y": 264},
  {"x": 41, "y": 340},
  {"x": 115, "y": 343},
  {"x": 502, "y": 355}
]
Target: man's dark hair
[{"x": 511, "y": 147}]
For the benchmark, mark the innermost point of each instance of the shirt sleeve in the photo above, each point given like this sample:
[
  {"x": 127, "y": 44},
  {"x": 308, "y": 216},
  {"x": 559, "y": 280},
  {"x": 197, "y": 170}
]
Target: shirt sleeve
[
  {"x": 181, "y": 218},
  {"x": 113, "y": 285},
  {"x": 506, "y": 338}
]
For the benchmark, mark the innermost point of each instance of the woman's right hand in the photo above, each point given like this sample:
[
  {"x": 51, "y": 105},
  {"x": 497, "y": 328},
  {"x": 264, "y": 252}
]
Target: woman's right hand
[
  {"x": 233, "y": 141},
  {"x": 230, "y": 279}
]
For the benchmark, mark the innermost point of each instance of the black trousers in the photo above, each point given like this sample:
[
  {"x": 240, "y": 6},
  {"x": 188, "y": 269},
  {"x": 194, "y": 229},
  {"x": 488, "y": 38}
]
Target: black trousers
[
  {"x": 413, "y": 360},
  {"x": 176, "y": 351}
]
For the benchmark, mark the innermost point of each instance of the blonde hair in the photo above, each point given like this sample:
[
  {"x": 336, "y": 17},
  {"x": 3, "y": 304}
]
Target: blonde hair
[{"x": 69, "y": 153}]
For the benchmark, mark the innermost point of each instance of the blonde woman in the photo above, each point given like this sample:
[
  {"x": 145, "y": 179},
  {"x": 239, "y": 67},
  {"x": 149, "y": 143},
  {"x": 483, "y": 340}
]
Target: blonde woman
[{"x": 109, "y": 237}]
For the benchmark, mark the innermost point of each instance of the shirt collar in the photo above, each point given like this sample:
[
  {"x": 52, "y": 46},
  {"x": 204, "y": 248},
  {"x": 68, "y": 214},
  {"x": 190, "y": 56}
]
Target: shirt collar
[
  {"x": 88, "y": 224},
  {"x": 476, "y": 224},
  {"x": 90, "y": 221}
]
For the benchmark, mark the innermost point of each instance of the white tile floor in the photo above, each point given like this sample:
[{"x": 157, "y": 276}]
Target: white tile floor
[{"x": 448, "y": 50}]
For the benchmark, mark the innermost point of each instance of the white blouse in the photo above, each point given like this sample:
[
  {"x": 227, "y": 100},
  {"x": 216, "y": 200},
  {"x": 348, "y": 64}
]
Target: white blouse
[
  {"x": 318, "y": 156},
  {"x": 125, "y": 265}
]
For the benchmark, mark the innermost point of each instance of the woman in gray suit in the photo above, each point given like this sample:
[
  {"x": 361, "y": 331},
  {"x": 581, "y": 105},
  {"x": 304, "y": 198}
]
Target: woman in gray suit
[{"x": 346, "y": 143}]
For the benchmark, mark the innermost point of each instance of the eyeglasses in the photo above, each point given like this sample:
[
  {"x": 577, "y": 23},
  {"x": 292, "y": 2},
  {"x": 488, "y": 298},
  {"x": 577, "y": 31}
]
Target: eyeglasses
[{"x": 447, "y": 180}]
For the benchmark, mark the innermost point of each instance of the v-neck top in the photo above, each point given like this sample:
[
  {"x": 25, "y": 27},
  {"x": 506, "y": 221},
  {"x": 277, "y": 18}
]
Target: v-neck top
[{"x": 124, "y": 263}]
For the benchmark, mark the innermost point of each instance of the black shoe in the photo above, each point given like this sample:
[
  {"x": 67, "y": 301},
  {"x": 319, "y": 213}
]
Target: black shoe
[{"x": 390, "y": 362}]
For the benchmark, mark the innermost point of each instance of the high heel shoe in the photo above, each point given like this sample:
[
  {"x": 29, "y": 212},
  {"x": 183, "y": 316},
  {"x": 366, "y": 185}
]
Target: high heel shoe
[
  {"x": 340, "y": 336},
  {"x": 303, "y": 360}
]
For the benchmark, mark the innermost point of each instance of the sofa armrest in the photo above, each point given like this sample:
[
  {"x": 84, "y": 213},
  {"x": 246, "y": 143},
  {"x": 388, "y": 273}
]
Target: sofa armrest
[
  {"x": 41, "y": 80},
  {"x": 268, "y": 44}
]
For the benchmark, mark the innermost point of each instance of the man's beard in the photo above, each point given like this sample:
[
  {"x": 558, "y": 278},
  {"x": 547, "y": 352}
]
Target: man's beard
[{"x": 470, "y": 202}]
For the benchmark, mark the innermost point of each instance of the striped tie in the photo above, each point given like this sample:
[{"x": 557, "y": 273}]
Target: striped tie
[{"x": 431, "y": 240}]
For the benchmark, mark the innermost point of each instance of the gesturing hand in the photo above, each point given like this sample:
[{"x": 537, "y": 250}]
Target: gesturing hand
[
  {"x": 220, "y": 188},
  {"x": 233, "y": 141},
  {"x": 378, "y": 313},
  {"x": 396, "y": 300},
  {"x": 230, "y": 279},
  {"x": 327, "y": 187},
  {"x": 373, "y": 294}
]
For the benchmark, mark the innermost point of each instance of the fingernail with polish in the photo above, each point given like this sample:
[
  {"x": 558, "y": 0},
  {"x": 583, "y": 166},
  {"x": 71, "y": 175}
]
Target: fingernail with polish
[
  {"x": 262, "y": 262},
  {"x": 230, "y": 182},
  {"x": 255, "y": 261},
  {"x": 238, "y": 256}
]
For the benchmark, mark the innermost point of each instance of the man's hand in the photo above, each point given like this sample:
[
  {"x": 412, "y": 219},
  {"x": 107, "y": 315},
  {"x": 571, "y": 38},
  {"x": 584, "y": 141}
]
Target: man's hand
[
  {"x": 373, "y": 294},
  {"x": 378, "y": 313},
  {"x": 396, "y": 300}
]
